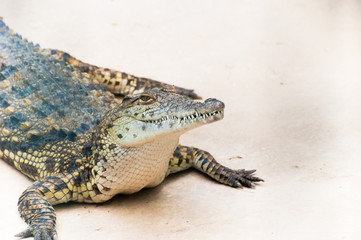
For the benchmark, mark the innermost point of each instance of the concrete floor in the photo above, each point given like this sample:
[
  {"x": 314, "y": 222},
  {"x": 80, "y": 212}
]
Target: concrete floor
[{"x": 289, "y": 74}]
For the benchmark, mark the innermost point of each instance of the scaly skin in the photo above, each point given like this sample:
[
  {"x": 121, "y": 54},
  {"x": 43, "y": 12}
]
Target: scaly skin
[
  {"x": 115, "y": 81},
  {"x": 61, "y": 126}
]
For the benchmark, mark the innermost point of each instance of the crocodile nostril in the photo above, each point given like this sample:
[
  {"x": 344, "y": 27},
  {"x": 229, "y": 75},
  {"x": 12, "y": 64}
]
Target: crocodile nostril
[{"x": 214, "y": 102}]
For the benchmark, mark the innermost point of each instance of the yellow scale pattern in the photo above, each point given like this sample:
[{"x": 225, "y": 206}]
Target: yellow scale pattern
[{"x": 115, "y": 81}]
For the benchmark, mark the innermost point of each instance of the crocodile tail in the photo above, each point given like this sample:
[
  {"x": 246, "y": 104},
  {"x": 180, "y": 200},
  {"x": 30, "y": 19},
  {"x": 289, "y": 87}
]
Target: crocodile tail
[{"x": 119, "y": 83}]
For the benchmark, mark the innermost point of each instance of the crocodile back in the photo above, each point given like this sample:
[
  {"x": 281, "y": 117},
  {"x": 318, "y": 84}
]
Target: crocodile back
[{"x": 44, "y": 103}]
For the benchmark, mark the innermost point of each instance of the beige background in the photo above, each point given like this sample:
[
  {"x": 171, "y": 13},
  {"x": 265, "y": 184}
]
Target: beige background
[{"x": 289, "y": 73}]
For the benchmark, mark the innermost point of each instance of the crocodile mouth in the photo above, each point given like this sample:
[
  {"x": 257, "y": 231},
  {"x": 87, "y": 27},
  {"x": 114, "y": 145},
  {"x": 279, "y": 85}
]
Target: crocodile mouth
[{"x": 196, "y": 116}]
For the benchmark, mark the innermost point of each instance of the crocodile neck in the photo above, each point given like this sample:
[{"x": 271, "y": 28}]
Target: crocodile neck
[{"x": 129, "y": 169}]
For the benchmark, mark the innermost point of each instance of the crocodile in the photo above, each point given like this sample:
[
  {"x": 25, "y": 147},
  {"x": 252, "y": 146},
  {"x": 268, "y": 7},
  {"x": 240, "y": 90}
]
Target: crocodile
[{"x": 85, "y": 133}]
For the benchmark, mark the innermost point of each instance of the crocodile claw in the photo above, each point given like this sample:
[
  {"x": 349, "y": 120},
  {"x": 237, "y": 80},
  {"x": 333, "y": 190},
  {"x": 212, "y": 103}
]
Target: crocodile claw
[{"x": 24, "y": 234}]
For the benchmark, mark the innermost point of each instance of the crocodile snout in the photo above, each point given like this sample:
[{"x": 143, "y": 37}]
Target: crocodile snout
[{"x": 214, "y": 103}]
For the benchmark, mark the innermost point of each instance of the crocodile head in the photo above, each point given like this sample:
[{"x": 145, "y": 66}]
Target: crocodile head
[
  {"x": 133, "y": 143},
  {"x": 159, "y": 113}
]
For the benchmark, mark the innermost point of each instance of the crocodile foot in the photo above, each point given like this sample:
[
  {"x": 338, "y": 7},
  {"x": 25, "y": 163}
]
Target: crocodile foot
[
  {"x": 243, "y": 178},
  {"x": 39, "y": 234}
]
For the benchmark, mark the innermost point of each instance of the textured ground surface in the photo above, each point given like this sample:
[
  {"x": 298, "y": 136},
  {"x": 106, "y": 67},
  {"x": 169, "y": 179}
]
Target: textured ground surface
[{"x": 288, "y": 72}]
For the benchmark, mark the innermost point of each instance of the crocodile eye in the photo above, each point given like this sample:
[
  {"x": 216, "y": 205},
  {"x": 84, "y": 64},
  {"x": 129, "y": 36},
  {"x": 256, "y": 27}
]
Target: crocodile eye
[{"x": 146, "y": 99}]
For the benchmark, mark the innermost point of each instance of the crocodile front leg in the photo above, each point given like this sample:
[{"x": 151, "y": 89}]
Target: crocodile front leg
[
  {"x": 35, "y": 205},
  {"x": 185, "y": 157}
]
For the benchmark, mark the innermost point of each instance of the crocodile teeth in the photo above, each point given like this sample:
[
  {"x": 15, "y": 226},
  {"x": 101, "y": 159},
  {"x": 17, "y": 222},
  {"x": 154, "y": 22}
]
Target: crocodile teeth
[{"x": 195, "y": 115}]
